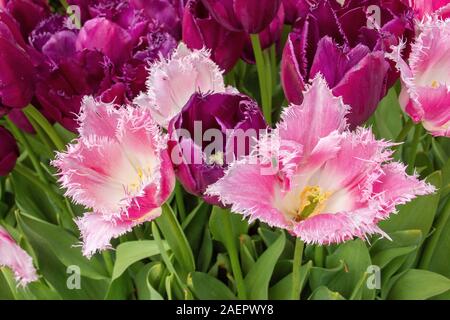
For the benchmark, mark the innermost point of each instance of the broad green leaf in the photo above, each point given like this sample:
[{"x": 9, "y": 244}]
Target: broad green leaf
[
  {"x": 323, "y": 293},
  {"x": 258, "y": 279},
  {"x": 403, "y": 242},
  {"x": 145, "y": 280},
  {"x": 176, "y": 239},
  {"x": 217, "y": 222},
  {"x": 418, "y": 285},
  {"x": 62, "y": 243},
  {"x": 282, "y": 289},
  {"x": 194, "y": 224},
  {"x": 322, "y": 276},
  {"x": 388, "y": 117},
  {"x": 130, "y": 252},
  {"x": 356, "y": 258},
  {"x": 55, "y": 272},
  {"x": 206, "y": 287},
  {"x": 439, "y": 245},
  {"x": 120, "y": 288}
]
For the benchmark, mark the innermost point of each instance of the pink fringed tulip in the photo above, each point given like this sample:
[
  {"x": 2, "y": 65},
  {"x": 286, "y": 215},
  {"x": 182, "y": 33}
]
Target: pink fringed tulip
[
  {"x": 313, "y": 177},
  {"x": 119, "y": 167},
  {"x": 14, "y": 257},
  {"x": 422, "y": 8},
  {"x": 425, "y": 92},
  {"x": 171, "y": 82}
]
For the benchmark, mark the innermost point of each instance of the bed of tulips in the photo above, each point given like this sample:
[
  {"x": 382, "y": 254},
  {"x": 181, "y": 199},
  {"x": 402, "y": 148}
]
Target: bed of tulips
[{"x": 232, "y": 149}]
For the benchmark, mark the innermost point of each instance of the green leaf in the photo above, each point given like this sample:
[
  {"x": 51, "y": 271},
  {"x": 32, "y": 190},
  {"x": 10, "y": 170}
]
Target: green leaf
[
  {"x": 282, "y": 289},
  {"x": 322, "y": 276},
  {"x": 61, "y": 243},
  {"x": 216, "y": 222},
  {"x": 258, "y": 279},
  {"x": 403, "y": 242},
  {"x": 418, "y": 285},
  {"x": 417, "y": 214},
  {"x": 323, "y": 293},
  {"x": 194, "y": 224},
  {"x": 147, "y": 277},
  {"x": 206, "y": 287},
  {"x": 176, "y": 239},
  {"x": 130, "y": 252},
  {"x": 206, "y": 251},
  {"x": 356, "y": 258},
  {"x": 388, "y": 117}
]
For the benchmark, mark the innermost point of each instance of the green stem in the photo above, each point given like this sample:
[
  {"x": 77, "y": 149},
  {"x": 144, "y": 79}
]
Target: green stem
[
  {"x": 318, "y": 255},
  {"x": 261, "y": 67},
  {"x": 108, "y": 261},
  {"x": 414, "y": 147},
  {"x": 234, "y": 258},
  {"x": 25, "y": 144},
  {"x": 34, "y": 113},
  {"x": 296, "y": 268},
  {"x": 406, "y": 129},
  {"x": 47, "y": 143},
  {"x": 179, "y": 200},
  {"x": 435, "y": 237},
  {"x": 165, "y": 257},
  {"x": 64, "y": 3}
]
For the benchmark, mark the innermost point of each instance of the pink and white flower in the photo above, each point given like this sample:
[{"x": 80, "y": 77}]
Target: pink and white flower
[
  {"x": 14, "y": 257},
  {"x": 425, "y": 79},
  {"x": 330, "y": 185},
  {"x": 171, "y": 82},
  {"x": 422, "y": 8},
  {"x": 119, "y": 167}
]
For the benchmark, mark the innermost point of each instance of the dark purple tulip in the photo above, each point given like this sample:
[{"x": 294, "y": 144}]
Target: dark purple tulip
[
  {"x": 200, "y": 30},
  {"x": 27, "y": 12},
  {"x": 269, "y": 36},
  {"x": 251, "y": 16},
  {"x": 295, "y": 9},
  {"x": 198, "y": 164},
  {"x": 17, "y": 72},
  {"x": 8, "y": 152},
  {"x": 338, "y": 42}
]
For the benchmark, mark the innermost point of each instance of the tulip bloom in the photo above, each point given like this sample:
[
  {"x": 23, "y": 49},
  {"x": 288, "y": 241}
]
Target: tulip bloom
[
  {"x": 425, "y": 92},
  {"x": 201, "y": 30},
  {"x": 14, "y": 257},
  {"x": 27, "y": 12},
  {"x": 8, "y": 152},
  {"x": 422, "y": 8},
  {"x": 250, "y": 16},
  {"x": 172, "y": 81},
  {"x": 231, "y": 121},
  {"x": 340, "y": 43},
  {"x": 17, "y": 72},
  {"x": 119, "y": 167},
  {"x": 327, "y": 184}
]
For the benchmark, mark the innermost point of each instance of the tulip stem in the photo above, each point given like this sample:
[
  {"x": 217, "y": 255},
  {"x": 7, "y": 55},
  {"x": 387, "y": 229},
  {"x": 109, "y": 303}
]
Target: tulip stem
[
  {"x": 296, "y": 268},
  {"x": 414, "y": 147},
  {"x": 64, "y": 3},
  {"x": 406, "y": 129},
  {"x": 233, "y": 254},
  {"x": 262, "y": 70},
  {"x": 34, "y": 113},
  {"x": 179, "y": 200}
]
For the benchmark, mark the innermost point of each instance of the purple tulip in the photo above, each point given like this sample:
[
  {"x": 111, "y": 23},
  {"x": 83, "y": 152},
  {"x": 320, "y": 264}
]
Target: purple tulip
[
  {"x": 251, "y": 16},
  {"x": 27, "y": 12},
  {"x": 269, "y": 36},
  {"x": 210, "y": 132},
  {"x": 200, "y": 30},
  {"x": 295, "y": 9},
  {"x": 107, "y": 58},
  {"x": 17, "y": 72},
  {"x": 349, "y": 51},
  {"x": 8, "y": 152}
]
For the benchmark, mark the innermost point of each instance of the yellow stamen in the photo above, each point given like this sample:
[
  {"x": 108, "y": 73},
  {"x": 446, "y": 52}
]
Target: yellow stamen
[
  {"x": 312, "y": 202},
  {"x": 434, "y": 84}
]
